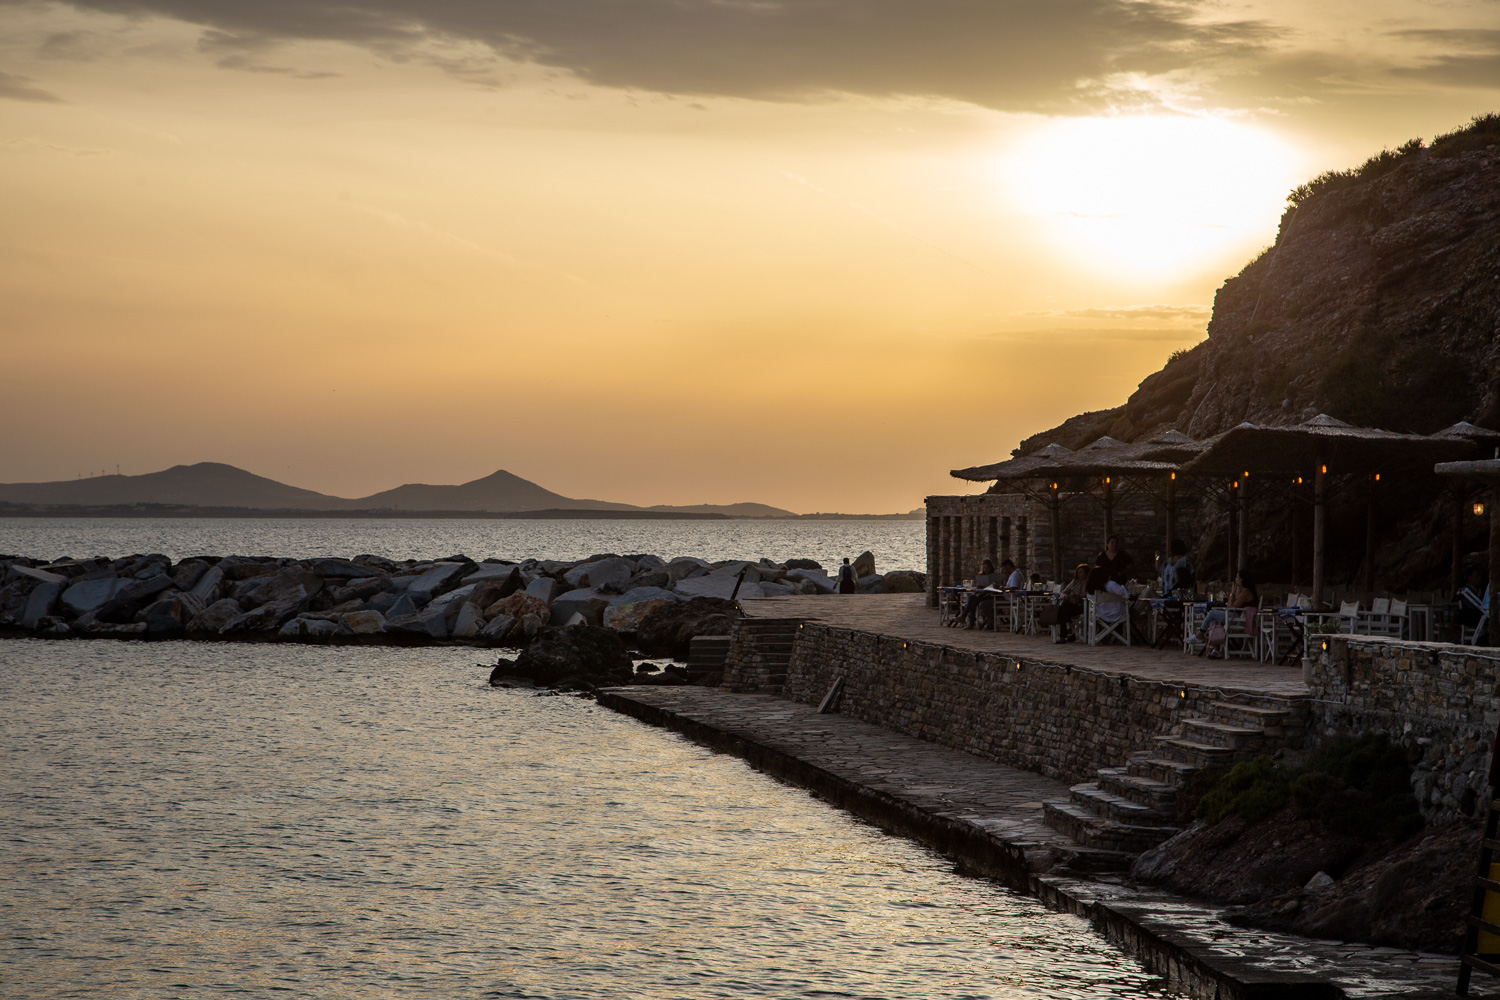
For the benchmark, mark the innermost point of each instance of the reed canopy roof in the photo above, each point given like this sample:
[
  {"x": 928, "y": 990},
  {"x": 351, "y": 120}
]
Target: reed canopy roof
[
  {"x": 1486, "y": 469},
  {"x": 1105, "y": 457},
  {"x": 1299, "y": 449}
]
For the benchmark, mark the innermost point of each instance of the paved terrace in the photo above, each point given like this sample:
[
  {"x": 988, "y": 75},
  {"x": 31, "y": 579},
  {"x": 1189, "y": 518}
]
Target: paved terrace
[{"x": 907, "y": 617}]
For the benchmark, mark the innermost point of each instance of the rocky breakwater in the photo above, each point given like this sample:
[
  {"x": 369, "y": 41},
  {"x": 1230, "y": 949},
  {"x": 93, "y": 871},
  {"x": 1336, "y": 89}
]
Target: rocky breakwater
[{"x": 372, "y": 599}]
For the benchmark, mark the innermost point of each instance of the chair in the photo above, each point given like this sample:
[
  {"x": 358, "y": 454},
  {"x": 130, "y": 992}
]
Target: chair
[
  {"x": 1240, "y": 640},
  {"x": 1387, "y": 617},
  {"x": 1469, "y": 637},
  {"x": 1349, "y": 617},
  {"x": 1098, "y": 630}
]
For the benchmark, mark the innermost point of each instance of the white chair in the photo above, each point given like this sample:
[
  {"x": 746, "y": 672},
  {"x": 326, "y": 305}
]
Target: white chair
[
  {"x": 1349, "y": 617},
  {"x": 1387, "y": 618},
  {"x": 1238, "y": 639},
  {"x": 1097, "y": 629}
]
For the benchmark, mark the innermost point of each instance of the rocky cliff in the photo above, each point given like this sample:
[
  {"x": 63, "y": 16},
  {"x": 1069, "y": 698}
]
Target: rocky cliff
[{"x": 1378, "y": 304}]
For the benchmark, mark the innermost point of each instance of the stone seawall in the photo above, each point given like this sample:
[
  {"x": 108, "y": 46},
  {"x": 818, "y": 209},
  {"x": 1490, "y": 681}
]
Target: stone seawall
[
  {"x": 1440, "y": 701},
  {"x": 1064, "y": 722}
]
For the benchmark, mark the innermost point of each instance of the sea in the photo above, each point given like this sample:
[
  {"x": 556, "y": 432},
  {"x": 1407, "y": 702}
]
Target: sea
[
  {"x": 246, "y": 820},
  {"x": 895, "y": 544}
]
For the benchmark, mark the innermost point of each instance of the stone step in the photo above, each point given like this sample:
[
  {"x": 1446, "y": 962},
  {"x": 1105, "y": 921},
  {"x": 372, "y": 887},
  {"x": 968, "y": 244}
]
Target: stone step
[
  {"x": 1149, "y": 792},
  {"x": 1222, "y": 734},
  {"x": 1193, "y": 752},
  {"x": 1250, "y": 716},
  {"x": 1092, "y": 831},
  {"x": 1160, "y": 768},
  {"x": 1116, "y": 808}
]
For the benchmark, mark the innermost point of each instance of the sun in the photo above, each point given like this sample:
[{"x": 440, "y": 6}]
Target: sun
[{"x": 1153, "y": 194}]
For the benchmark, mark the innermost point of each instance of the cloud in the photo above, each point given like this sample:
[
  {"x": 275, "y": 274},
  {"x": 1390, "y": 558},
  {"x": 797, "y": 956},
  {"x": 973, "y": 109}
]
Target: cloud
[
  {"x": 19, "y": 88},
  {"x": 1155, "y": 313},
  {"x": 1011, "y": 54},
  {"x": 1475, "y": 64},
  {"x": 35, "y": 145}
]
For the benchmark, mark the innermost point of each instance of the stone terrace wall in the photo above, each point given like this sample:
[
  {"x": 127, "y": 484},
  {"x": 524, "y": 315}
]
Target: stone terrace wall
[
  {"x": 1059, "y": 721},
  {"x": 1439, "y": 700}
]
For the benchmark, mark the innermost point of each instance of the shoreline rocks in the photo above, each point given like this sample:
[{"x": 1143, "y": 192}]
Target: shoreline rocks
[{"x": 654, "y": 603}]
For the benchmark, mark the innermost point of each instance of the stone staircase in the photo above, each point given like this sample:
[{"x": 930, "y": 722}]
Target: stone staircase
[
  {"x": 760, "y": 653},
  {"x": 1133, "y": 808},
  {"x": 706, "y": 655}
]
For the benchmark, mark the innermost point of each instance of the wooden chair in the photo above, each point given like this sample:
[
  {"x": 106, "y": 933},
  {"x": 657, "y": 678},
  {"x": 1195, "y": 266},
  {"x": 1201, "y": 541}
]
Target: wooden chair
[{"x": 1099, "y": 630}]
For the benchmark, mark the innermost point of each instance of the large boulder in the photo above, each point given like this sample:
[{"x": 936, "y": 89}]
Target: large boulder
[
  {"x": 268, "y": 617},
  {"x": 280, "y": 586},
  {"x": 498, "y": 628},
  {"x": 442, "y": 577},
  {"x": 684, "y": 566},
  {"x": 210, "y": 586},
  {"x": 237, "y": 568},
  {"x": 91, "y": 595},
  {"x": 468, "y": 622},
  {"x": 337, "y": 569},
  {"x": 864, "y": 564},
  {"x": 32, "y": 573},
  {"x": 585, "y": 601},
  {"x": 543, "y": 588},
  {"x": 669, "y": 629},
  {"x": 41, "y": 602},
  {"x": 432, "y": 623},
  {"x": 518, "y": 605},
  {"x": 775, "y": 589},
  {"x": 583, "y": 653},
  {"x": 364, "y": 622},
  {"x": 214, "y": 617},
  {"x": 715, "y": 585},
  {"x": 628, "y": 617},
  {"x": 817, "y": 579},
  {"x": 872, "y": 584},
  {"x": 803, "y": 564},
  {"x": 188, "y": 572},
  {"x": 638, "y": 594},
  {"x": 360, "y": 589},
  {"x": 902, "y": 581},
  {"x": 309, "y": 628}
]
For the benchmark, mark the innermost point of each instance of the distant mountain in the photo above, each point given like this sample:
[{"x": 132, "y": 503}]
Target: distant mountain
[
  {"x": 206, "y": 484},
  {"x": 499, "y": 492},
  {"x": 213, "y": 484}
]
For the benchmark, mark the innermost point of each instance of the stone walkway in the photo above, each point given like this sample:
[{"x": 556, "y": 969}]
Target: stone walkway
[
  {"x": 907, "y": 616},
  {"x": 1179, "y": 938}
]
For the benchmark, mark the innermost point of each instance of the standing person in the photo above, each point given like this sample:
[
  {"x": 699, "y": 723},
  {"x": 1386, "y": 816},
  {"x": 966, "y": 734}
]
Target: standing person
[
  {"x": 1116, "y": 561},
  {"x": 848, "y": 583}
]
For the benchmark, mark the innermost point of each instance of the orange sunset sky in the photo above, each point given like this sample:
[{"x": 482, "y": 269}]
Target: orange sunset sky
[{"x": 813, "y": 254}]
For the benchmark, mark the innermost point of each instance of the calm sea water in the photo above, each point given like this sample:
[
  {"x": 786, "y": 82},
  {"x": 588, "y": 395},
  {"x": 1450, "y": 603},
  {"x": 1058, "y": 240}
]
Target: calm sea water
[
  {"x": 896, "y": 544},
  {"x": 190, "y": 821}
]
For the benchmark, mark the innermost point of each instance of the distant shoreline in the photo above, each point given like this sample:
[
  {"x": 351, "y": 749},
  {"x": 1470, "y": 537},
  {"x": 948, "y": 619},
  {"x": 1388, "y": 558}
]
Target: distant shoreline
[{"x": 551, "y": 514}]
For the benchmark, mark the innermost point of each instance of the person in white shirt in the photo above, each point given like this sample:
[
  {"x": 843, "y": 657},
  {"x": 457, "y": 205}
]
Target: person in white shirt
[{"x": 1014, "y": 578}]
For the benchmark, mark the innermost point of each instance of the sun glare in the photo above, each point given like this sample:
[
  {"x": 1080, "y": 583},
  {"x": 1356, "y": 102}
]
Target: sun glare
[{"x": 1149, "y": 195}]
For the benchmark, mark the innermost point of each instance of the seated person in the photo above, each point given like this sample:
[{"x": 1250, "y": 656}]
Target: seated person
[
  {"x": 1014, "y": 578},
  {"x": 1243, "y": 596},
  {"x": 1072, "y": 603},
  {"x": 1113, "y": 583},
  {"x": 986, "y": 577},
  {"x": 1177, "y": 572}
]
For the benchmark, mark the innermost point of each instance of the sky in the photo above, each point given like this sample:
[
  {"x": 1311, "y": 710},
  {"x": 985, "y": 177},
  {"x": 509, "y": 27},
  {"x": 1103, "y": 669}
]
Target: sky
[{"x": 813, "y": 254}]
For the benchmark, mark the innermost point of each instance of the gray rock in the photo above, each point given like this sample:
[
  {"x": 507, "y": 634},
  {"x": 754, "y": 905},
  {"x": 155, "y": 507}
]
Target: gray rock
[
  {"x": 628, "y": 617},
  {"x": 499, "y": 627},
  {"x": 91, "y": 595},
  {"x": 429, "y": 623},
  {"x": 872, "y": 584},
  {"x": 188, "y": 572},
  {"x": 210, "y": 586},
  {"x": 364, "y": 622},
  {"x": 268, "y": 617},
  {"x": 610, "y": 573},
  {"x": 40, "y": 575},
  {"x": 309, "y": 628},
  {"x": 637, "y": 594},
  {"x": 402, "y": 607},
  {"x": 864, "y": 564},
  {"x": 216, "y": 616},
  {"x": 164, "y": 626},
  {"x": 441, "y": 578},
  {"x": 360, "y": 589},
  {"x": 42, "y": 601},
  {"x": 493, "y": 571},
  {"x": 237, "y": 568},
  {"x": 585, "y": 601},
  {"x": 543, "y": 588},
  {"x": 803, "y": 564},
  {"x": 468, "y": 623},
  {"x": 711, "y": 585},
  {"x": 768, "y": 589},
  {"x": 284, "y": 585},
  {"x": 651, "y": 578},
  {"x": 337, "y": 569},
  {"x": 530, "y": 626},
  {"x": 903, "y": 582},
  {"x": 683, "y": 566},
  {"x": 141, "y": 589},
  {"x": 461, "y": 595},
  {"x": 649, "y": 563},
  {"x": 817, "y": 578},
  {"x": 53, "y": 628}
]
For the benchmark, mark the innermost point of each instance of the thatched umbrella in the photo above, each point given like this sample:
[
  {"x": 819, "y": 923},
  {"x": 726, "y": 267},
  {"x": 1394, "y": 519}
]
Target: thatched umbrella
[
  {"x": 1318, "y": 446},
  {"x": 1485, "y": 471}
]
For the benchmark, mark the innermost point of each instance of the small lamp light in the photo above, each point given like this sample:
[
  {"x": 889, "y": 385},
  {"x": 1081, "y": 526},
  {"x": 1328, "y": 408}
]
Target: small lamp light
[
  {"x": 1182, "y": 694},
  {"x": 1324, "y": 469},
  {"x": 1478, "y": 508},
  {"x": 1174, "y": 475}
]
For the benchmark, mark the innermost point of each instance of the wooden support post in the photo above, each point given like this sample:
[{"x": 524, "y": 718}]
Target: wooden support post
[
  {"x": 1492, "y": 630},
  {"x": 1109, "y": 507},
  {"x": 1244, "y": 527},
  {"x": 1455, "y": 572},
  {"x": 1369, "y": 581},
  {"x": 1320, "y": 517},
  {"x": 1171, "y": 511},
  {"x": 1055, "y": 512},
  {"x": 1296, "y": 544}
]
